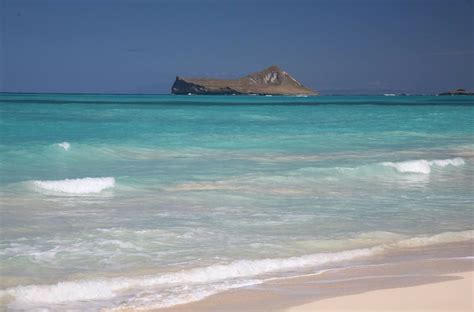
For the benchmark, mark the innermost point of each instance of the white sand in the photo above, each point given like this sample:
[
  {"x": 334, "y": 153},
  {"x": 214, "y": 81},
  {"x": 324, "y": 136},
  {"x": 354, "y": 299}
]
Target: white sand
[{"x": 454, "y": 295}]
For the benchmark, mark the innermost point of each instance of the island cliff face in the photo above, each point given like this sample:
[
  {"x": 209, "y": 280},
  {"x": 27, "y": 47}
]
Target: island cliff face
[{"x": 270, "y": 81}]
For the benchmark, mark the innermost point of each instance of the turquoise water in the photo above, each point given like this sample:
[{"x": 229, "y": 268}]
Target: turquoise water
[{"x": 150, "y": 201}]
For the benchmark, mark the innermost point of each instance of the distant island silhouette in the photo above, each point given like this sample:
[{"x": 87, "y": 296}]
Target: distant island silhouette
[
  {"x": 457, "y": 92},
  {"x": 270, "y": 81}
]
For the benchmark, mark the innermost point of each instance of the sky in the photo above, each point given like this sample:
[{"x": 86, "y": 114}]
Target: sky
[{"x": 140, "y": 46}]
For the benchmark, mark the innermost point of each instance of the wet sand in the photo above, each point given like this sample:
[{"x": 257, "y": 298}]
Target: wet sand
[
  {"x": 432, "y": 278},
  {"x": 452, "y": 295}
]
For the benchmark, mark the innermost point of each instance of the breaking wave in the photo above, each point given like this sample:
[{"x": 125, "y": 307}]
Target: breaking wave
[
  {"x": 303, "y": 181},
  {"x": 150, "y": 291},
  {"x": 65, "y": 145},
  {"x": 76, "y": 186},
  {"x": 108, "y": 288},
  {"x": 423, "y": 166}
]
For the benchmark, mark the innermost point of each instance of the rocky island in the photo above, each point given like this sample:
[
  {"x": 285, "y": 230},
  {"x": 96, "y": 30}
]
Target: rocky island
[
  {"x": 270, "y": 81},
  {"x": 457, "y": 92}
]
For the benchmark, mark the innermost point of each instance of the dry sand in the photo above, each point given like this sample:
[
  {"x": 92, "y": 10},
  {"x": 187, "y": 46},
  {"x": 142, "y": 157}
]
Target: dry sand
[{"x": 453, "y": 295}]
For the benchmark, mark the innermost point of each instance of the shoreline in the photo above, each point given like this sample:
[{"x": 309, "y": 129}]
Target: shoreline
[
  {"x": 449, "y": 267},
  {"x": 455, "y": 294}
]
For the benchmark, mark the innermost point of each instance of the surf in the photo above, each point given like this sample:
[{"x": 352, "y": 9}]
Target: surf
[
  {"x": 423, "y": 166},
  {"x": 76, "y": 186},
  {"x": 237, "y": 273}
]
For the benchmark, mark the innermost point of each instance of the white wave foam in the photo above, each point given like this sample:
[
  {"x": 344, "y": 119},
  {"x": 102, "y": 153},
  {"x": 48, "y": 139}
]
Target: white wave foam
[
  {"x": 108, "y": 288},
  {"x": 445, "y": 162},
  {"x": 229, "y": 275},
  {"x": 413, "y": 166},
  {"x": 146, "y": 301},
  {"x": 65, "y": 145},
  {"x": 76, "y": 186},
  {"x": 422, "y": 165}
]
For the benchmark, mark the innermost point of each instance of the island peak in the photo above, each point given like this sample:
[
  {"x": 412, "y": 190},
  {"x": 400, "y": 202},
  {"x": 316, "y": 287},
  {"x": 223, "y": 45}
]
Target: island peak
[{"x": 269, "y": 81}]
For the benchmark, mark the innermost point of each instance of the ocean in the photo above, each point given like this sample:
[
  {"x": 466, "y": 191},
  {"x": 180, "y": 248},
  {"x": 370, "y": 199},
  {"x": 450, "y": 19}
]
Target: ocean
[{"x": 113, "y": 202}]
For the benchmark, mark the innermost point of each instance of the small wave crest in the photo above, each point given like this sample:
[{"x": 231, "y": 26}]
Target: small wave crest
[
  {"x": 65, "y": 145},
  {"x": 422, "y": 165},
  {"x": 76, "y": 186},
  {"x": 442, "y": 238}
]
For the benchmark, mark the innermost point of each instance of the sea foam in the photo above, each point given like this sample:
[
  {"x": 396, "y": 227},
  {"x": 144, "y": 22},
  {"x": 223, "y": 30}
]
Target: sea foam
[
  {"x": 422, "y": 165},
  {"x": 65, "y": 145},
  {"x": 146, "y": 301},
  {"x": 76, "y": 186},
  {"x": 108, "y": 288}
]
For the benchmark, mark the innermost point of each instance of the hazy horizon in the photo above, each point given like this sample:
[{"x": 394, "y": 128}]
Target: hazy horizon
[{"x": 334, "y": 47}]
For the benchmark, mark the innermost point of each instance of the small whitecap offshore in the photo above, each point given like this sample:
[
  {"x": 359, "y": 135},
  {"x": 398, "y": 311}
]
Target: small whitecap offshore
[
  {"x": 422, "y": 165},
  {"x": 446, "y": 162},
  {"x": 412, "y": 166},
  {"x": 76, "y": 186},
  {"x": 65, "y": 145}
]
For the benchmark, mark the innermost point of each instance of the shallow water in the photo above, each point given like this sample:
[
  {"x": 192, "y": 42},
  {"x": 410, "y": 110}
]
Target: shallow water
[{"x": 150, "y": 201}]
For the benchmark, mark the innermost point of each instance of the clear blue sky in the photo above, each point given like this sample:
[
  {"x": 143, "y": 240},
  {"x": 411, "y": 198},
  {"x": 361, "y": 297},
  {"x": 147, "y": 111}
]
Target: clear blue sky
[{"x": 137, "y": 46}]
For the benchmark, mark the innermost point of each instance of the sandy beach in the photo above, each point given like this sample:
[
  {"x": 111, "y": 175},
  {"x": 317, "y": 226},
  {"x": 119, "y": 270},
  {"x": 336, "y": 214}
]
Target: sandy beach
[
  {"x": 441, "y": 283},
  {"x": 452, "y": 295}
]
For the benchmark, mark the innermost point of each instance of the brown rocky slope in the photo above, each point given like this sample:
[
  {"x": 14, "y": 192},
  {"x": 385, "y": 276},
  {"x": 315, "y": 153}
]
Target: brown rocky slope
[{"x": 270, "y": 81}]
